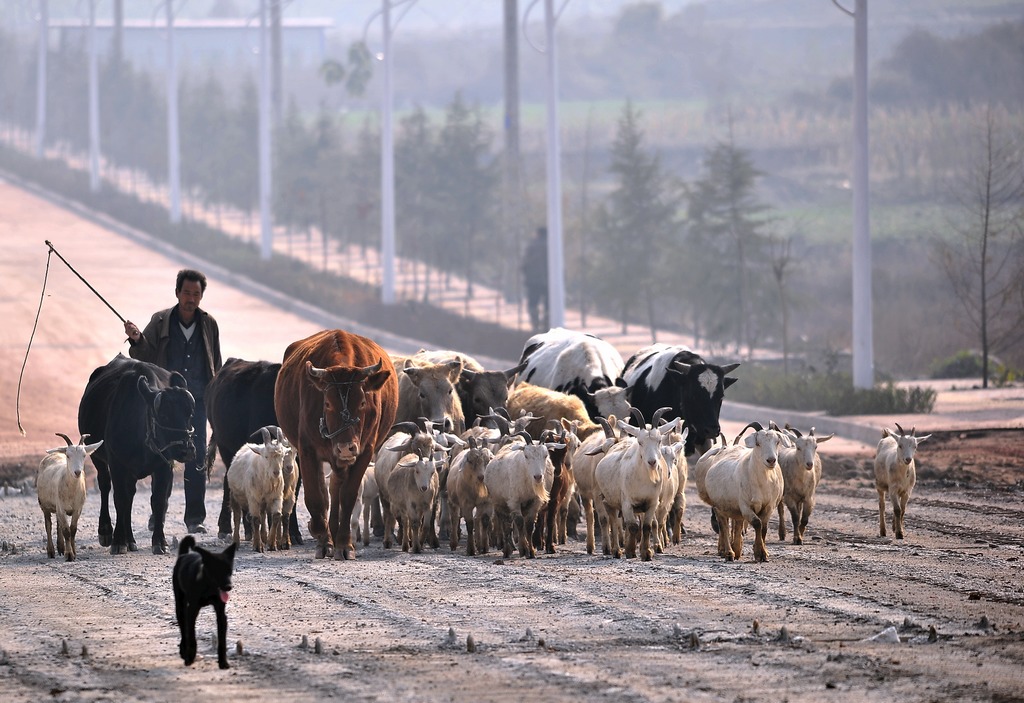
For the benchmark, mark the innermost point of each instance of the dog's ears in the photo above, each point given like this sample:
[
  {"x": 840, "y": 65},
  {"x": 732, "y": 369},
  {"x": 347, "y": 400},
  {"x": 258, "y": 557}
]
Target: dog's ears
[{"x": 229, "y": 552}]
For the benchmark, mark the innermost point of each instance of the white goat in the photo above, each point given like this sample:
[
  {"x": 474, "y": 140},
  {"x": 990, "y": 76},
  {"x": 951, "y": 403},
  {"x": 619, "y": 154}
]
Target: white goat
[
  {"x": 412, "y": 488},
  {"x": 290, "y": 474},
  {"x": 467, "y": 497},
  {"x": 672, "y": 502},
  {"x": 801, "y": 473},
  {"x": 409, "y": 439},
  {"x": 369, "y": 496},
  {"x": 896, "y": 474},
  {"x": 630, "y": 479},
  {"x": 585, "y": 461},
  {"x": 256, "y": 482},
  {"x": 60, "y": 485},
  {"x": 743, "y": 484},
  {"x": 518, "y": 481}
]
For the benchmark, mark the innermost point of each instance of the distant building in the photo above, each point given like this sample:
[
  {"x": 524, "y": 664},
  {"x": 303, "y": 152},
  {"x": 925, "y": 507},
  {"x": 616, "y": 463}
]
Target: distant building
[{"x": 199, "y": 42}]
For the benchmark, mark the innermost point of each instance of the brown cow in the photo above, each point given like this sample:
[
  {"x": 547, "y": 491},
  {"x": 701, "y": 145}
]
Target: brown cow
[{"x": 336, "y": 397}]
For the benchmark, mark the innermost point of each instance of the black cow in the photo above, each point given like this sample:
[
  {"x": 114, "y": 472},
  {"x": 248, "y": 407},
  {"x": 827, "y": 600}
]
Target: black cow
[
  {"x": 678, "y": 378},
  {"x": 143, "y": 414},
  {"x": 239, "y": 401}
]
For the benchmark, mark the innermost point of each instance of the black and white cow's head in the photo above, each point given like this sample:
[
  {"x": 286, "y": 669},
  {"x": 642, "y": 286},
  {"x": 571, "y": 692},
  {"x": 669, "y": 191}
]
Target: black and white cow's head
[{"x": 701, "y": 390}]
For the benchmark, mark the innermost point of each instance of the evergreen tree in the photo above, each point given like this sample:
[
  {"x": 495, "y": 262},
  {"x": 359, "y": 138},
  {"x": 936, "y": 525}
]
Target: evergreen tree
[
  {"x": 637, "y": 226},
  {"x": 727, "y": 242},
  {"x": 415, "y": 189},
  {"x": 466, "y": 180}
]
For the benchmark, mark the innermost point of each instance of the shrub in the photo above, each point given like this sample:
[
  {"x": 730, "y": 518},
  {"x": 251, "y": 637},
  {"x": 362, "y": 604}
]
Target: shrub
[
  {"x": 833, "y": 393},
  {"x": 963, "y": 364}
]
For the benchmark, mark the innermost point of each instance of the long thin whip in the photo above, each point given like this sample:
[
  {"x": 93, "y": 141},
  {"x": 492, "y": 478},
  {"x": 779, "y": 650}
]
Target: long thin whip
[
  {"x": 84, "y": 281},
  {"x": 42, "y": 296}
]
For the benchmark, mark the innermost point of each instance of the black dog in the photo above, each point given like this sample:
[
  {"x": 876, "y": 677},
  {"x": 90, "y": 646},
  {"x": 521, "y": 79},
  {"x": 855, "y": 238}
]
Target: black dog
[{"x": 201, "y": 578}]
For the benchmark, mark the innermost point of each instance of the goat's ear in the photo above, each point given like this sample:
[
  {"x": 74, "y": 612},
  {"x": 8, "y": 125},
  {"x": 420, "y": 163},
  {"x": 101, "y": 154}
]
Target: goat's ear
[
  {"x": 919, "y": 439},
  {"x": 826, "y": 437},
  {"x": 750, "y": 440},
  {"x": 58, "y": 450},
  {"x": 90, "y": 448}
]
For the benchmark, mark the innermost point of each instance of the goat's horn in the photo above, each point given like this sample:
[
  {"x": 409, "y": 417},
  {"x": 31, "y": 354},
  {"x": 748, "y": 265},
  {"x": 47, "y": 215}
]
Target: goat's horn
[
  {"x": 609, "y": 433},
  {"x": 902, "y": 431},
  {"x": 406, "y": 426},
  {"x": 66, "y": 438},
  {"x": 267, "y": 439},
  {"x": 638, "y": 416},
  {"x": 655, "y": 421}
]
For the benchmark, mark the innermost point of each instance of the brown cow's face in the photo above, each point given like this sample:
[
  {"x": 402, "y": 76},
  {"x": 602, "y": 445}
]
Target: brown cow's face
[{"x": 345, "y": 405}]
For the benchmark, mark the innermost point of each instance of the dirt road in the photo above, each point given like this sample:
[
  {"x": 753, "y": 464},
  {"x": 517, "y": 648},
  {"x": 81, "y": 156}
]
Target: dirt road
[{"x": 686, "y": 626}]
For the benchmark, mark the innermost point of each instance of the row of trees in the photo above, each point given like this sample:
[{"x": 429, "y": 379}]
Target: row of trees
[{"x": 708, "y": 256}]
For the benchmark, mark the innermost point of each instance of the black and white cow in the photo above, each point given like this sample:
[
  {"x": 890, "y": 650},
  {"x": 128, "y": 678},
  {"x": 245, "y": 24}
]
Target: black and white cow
[
  {"x": 579, "y": 364},
  {"x": 676, "y": 377}
]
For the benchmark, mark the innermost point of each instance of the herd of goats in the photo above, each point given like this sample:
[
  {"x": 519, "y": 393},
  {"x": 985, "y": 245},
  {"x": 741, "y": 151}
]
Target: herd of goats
[{"x": 433, "y": 442}]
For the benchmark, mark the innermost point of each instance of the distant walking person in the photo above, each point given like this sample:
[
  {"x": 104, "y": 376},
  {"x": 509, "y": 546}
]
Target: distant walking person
[
  {"x": 535, "y": 277},
  {"x": 187, "y": 340}
]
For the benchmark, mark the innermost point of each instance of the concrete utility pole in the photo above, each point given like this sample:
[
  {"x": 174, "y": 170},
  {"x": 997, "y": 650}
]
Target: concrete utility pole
[
  {"x": 387, "y": 168},
  {"x": 94, "y": 104},
  {"x": 173, "y": 146},
  {"x": 44, "y": 40},
  {"x": 266, "y": 225},
  {"x": 556, "y": 269},
  {"x": 863, "y": 342},
  {"x": 276, "y": 62},
  {"x": 511, "y": 192}
]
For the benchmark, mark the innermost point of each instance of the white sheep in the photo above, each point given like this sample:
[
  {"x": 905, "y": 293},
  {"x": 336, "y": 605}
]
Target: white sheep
[
  {"x": 743, "y": 484},
  {"x": 412, "y": 488},
  {"x": 518, "y": 481},
  {"x": 801, "y": 473},
  {"x": 896, "y": 474},
  {"x": 60, "y": 485},
  {"x": 468, "y": 498},
  {"x": 256, "y": 483},
  {"x": 630, "y": 477}
]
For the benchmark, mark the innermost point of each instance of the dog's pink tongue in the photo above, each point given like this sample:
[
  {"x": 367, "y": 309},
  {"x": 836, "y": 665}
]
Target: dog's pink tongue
[{"x": 223, "y": 596}]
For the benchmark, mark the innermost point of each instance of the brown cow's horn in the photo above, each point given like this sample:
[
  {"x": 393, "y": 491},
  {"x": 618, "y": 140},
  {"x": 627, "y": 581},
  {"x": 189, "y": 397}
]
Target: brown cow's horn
[
  {"x": 367, "y": 371},
  {"x": 314, "y": 371},
  {"x": 66, "y": 438}
]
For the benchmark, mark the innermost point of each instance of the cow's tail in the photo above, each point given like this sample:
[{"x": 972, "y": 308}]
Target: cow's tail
[
  {"x": 186, "y": 544},
  {"x": 211, "y": 454}
]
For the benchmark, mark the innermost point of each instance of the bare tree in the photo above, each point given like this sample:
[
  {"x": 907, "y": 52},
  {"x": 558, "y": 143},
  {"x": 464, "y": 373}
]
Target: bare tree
[
  {"x": 984, "y": 259},
  {"x": 781, "y": 255}
]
